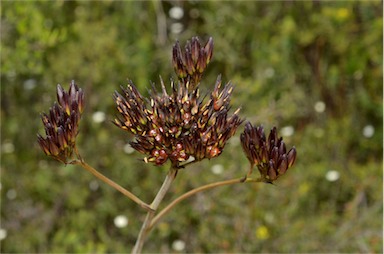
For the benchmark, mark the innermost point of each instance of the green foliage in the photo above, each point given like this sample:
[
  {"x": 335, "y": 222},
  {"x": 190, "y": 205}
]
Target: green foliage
[{"x": 282, "y": 57}]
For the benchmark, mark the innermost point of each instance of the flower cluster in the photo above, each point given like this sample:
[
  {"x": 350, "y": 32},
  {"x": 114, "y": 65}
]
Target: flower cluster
[
  {"x": 270, "y": 156},
  {"x": 178, "y": 125},
  {"x": 190, "y": 64},
  {"x": 181, "y": 124},
  {"x": 62, "y": 122}
]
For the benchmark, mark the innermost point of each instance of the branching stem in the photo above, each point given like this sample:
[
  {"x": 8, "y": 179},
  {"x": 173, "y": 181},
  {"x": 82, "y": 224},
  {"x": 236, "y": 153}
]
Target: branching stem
[
  {"x": 145, "y": 228},
  {"x": 197, "y": 190}
]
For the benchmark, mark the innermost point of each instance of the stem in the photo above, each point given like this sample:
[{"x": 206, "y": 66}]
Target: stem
[
  {"x": 146, "y": 227},
  {"x": 112, "y": 184},
  {"x": 197, "y": 190}
]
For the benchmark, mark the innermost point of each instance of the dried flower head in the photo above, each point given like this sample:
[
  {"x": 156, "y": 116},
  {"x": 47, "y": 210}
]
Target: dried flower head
[
  {"x": 190, "y": 64},
  {"x": 62, "y": 122},
  {"x": 178, "y": 125},
  {"x": 270, "y": 156},
  {"x": 181, "y": 124}
]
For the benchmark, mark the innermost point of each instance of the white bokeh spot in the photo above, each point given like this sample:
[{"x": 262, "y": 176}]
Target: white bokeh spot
[
  {"x": 120, "y": 221},
  {"x": 176, "y": 12},
  {"x": 332, "y": 175},
  {"x": 368, "y": 131},
  {"x": 287, "y": 131},
  {"x": 3, "y": 234},
  {"x": 320, "y": 106},
  {"x": 217, "y": 169},
  {"x": 98, "y": 117},
  {"x": 177, "y": 28},
  {"x": 178, "y": 245}
]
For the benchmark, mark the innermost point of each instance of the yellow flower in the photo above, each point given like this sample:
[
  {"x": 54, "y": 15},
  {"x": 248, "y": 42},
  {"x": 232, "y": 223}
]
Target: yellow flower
[{"x": 262, "y": 233}]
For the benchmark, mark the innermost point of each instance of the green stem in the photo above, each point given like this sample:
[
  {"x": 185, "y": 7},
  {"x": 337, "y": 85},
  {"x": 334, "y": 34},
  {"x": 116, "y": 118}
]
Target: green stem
[
  {"x": 145, "y": 228},
  {"x": 197, "y": 190},
  {"x": 112, "y": 184}
]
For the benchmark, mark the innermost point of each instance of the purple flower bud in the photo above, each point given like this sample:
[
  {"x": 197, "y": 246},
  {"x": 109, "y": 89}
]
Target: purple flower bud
[
  {"x": 60, "y": 95},
  {"x": 54, "y": 150},
  {"x": 61, "y": 124},
  {"x": 274, "y": 154},
  {"x": 268, "y": 155},
  {"x": 272, "y": 173},
  {"x": 195, "y": 49},
  {"x": 283, "y": 164}
]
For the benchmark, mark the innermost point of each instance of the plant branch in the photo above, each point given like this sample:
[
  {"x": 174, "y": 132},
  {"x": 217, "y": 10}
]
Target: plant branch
[
  {"x": 112, "y": 183},
  {"x": 146, "y": 227},
  {"x": 200, "y": 189}
]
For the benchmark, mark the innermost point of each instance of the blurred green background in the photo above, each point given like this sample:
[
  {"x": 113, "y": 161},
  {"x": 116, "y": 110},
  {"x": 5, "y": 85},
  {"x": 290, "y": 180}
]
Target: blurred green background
[{"x": 313, "y": 69}]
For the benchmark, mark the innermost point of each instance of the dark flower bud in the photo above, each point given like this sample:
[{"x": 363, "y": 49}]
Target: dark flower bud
[
  {"x": 61, "y": 99},
  {"x": 272, "y": 174},
  {"x": 195, "y": 49},
  {"x": 208, "y": 50},
  {"x": 191, "y": 63},
  {"x": 272, "y": 138},
  {"x": 274, "y": 154},
  {"x": 175, "y": 55},
  {"x": 270, "y": 155},
  {"x": 54, "y": 150},
  {"x": 43, "y": 144},
  {"x": 283, "y": 164},
  {"x": 282, "y": 149},
  {"x": 61, "y": 124},
  {"x": 201, "y": 62}
]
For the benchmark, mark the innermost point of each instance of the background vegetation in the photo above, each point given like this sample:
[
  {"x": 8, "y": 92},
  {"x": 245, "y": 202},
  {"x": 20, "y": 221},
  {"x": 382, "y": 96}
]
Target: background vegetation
[{"x": 314, "y": 69}]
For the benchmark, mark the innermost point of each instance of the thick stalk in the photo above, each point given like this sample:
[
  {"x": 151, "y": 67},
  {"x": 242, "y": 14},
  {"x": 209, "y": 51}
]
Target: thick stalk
[
  {"x": 111, "y": 183},
  {"x": 145, "y": 228},
  {"x": 197, "y": 190}
]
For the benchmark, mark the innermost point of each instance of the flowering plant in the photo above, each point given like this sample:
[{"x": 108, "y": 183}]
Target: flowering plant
[{"x": 179, "y": 126}]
